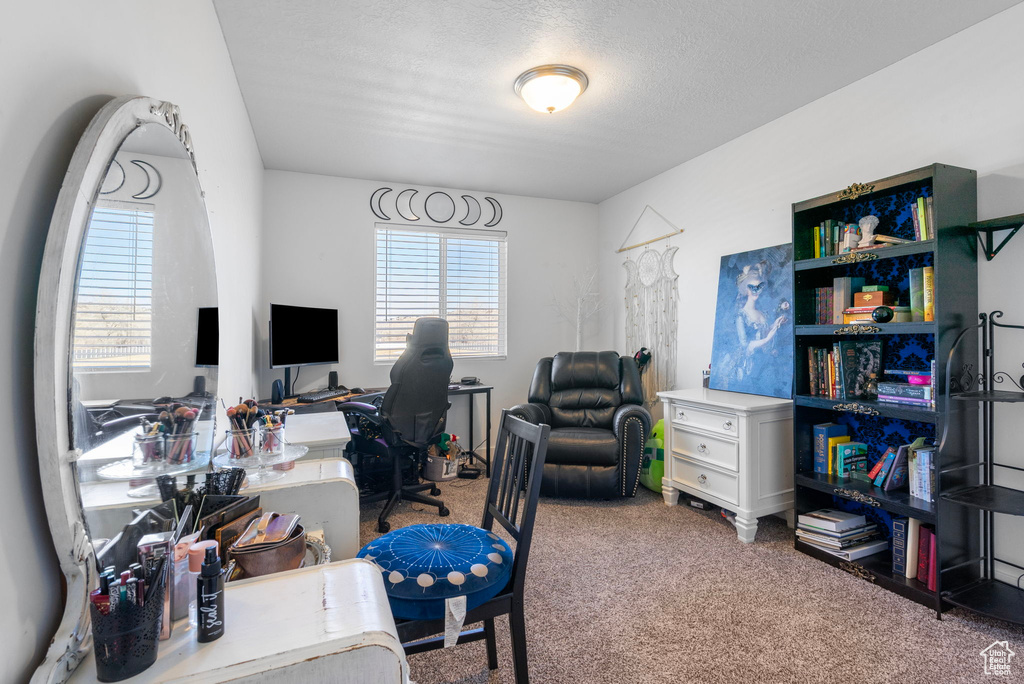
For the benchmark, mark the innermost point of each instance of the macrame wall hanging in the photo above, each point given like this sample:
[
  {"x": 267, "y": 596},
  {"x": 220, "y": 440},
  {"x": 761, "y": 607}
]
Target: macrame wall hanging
[{"x": 652, "y": 305}]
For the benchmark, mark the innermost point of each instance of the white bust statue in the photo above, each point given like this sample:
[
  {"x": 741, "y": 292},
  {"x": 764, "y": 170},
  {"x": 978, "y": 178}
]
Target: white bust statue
[{"x": 867, "y": 230}]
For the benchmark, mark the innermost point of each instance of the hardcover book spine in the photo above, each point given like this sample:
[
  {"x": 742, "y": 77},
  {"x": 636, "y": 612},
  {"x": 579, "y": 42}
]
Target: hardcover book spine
[
  {"x": 917, "y": 294},
  {"x": 913, "y": 536},
  {"x": 929, "y": 210},
  {"x": 926, "y": 230},
  {"x": 917, "y": 222},
  {"x": 924, "y": 546},
  {"x": 905, "y": 389},
  {"x": 933, "y": 563},
  {"x": 890, "y": 456},
  {"x": 929, "y": 292},
  {"x": 881, "y": 462},
  {"x": 899, "y": 546}
]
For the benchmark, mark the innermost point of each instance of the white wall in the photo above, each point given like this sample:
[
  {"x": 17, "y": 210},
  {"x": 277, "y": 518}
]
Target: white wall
[
  {"x": 318, "y": 251},
  {"x": 958, "y": 102},
  {"x": 62, "y": 61}
]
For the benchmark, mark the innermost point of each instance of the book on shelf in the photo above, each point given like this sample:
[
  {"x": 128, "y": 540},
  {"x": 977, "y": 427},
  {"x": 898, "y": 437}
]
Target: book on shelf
[
  {"x": 851, "y": 456},
  {"x": 890, "y": 239},
  {"x": 906, "y": 401},
  {"x": 831, "y": 520},
  {"x": 917, "y": 221},
  {"x": 860, "y": 359},
  {"x": 877, "y": 468},
  {"x": 899, "y": 546},
  {"x": 933, "y": 562},
  {"x": 924, "y": 551},
  {"x": 897, "y": 475},
  {"x": 843, "y": 289},
  {"x": 921, "y": 471},
  {"x": 833, "y": 444},
  {"x": 875, "y": 288},
  {"x": 926, "y": 229},
  {"x": 862, "y": 314},
  {"x": 822, "y": 433},
  {"x": 913, "y": 535},
  {"x": 929, "y": 210},
  {"x": 928, "y": 285},
  {"x": 917, "y": 294},
  {"x": 890, "y": 458}
]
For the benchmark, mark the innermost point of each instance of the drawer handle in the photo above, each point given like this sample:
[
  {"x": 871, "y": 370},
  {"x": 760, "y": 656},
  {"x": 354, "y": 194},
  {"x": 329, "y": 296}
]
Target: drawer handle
[
  {"x": 702, "y": 479},
  {"x": 702, "y": 448},
  {"x": 727, "y": 425},
  {"x": 680, "y": 415}
]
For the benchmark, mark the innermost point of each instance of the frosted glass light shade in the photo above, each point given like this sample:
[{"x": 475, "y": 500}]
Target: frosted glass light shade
[{"x": 551, "y": 88}]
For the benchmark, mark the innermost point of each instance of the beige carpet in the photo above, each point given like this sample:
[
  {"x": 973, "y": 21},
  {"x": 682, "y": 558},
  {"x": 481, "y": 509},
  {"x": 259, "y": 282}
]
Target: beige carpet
[{"x": 635, "y": 591}]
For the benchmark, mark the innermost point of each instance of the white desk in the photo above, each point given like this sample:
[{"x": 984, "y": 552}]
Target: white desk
[
  {"x": 329, "y": 623},
  {"x": 324, "y": 493},
  {"x": 326, "y": 434}
]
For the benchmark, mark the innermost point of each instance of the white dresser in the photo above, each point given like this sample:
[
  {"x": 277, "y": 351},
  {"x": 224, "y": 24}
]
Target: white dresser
[{"x": 730, "y": 449}]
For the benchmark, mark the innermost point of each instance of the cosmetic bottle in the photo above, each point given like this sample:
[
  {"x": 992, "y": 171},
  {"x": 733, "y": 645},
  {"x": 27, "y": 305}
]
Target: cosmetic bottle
[
  {"x": 101, "y": 597},
  {"x": 196, "y": 554},
  {"x": 210, "y": 595}
]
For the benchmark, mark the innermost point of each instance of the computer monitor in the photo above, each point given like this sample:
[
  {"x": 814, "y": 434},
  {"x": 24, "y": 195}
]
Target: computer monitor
[
  {"x": 207, "y": 337},
  {"x": 302, "y": 336}
]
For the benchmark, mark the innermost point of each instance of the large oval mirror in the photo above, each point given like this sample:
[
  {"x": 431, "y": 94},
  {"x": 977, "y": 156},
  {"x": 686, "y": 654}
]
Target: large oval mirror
[{"x": 126, "y": 339}]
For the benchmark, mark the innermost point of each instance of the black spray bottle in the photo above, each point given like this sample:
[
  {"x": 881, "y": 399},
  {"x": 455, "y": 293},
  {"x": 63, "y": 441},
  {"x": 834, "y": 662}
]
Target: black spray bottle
[{"x": 210, "y": 598}]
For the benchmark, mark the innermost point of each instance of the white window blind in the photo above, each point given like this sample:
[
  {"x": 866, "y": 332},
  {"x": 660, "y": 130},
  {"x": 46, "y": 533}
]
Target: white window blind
[
  {"x": 459, "y": 275},
  {"x": 113, "y": 304}
]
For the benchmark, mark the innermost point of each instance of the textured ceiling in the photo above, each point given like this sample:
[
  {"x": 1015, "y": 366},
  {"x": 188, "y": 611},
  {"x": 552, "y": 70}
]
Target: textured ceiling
[{"x": 421, "y": 92}]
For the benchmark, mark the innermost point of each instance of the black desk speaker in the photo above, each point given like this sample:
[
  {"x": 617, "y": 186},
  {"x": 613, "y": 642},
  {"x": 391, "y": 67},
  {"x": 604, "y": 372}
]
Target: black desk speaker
[{"x": 277, "y": 392}]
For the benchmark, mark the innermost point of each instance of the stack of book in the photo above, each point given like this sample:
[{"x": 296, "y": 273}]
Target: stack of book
[
  {"x": 913, "y": 551},
  {"x": 823, "y": 305},
  {"x": 911, "y": 388},
  {"x": 842, "y": 534}
]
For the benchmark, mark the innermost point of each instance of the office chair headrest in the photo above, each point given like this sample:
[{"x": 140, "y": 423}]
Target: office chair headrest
[{"x": 429, "y": 332}]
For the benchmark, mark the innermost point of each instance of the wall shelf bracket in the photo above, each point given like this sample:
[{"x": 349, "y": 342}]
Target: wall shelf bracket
[{"x": 986, "y": 231}]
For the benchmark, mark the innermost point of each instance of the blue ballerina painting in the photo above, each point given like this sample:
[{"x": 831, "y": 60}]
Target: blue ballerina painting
[{"x": 752, "y": 350}]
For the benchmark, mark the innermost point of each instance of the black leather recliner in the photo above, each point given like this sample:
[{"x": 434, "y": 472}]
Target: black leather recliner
[{"x": 594, "y": 404}]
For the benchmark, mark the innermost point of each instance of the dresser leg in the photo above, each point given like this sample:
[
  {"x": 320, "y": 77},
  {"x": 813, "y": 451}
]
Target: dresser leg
[
  {"x": 790, "y": 518},
  {"x": 671, "y": 495},
  {"x": 746, "y": 529}
]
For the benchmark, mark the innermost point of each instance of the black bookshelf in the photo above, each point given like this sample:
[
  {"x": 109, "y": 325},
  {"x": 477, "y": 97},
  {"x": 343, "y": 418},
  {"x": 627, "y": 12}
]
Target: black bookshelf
[{"x": 952, "y": 254}]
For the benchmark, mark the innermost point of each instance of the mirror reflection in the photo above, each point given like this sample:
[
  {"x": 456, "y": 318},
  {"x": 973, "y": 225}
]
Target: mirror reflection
[{"x": 144, "y": 329}]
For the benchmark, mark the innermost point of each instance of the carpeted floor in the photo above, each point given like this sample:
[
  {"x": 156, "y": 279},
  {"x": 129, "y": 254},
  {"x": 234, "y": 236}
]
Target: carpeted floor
[{"x": 635, "y": 591}]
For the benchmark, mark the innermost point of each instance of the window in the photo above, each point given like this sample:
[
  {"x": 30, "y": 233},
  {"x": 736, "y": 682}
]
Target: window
[
  {"x": 113, "y": 305},
  {"x": 459, "y": 275}
]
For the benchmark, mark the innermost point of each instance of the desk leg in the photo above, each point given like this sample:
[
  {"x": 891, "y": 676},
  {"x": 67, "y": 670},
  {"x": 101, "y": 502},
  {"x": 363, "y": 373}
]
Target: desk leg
[
  {"x": 472, "y": 444},
  {"x": 488, "y": 447}
]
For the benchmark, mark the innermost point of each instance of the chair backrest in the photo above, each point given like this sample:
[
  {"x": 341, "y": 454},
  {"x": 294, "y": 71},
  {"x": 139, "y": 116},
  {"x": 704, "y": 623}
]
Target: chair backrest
[
  {"x": 417, "y": 400},
  {"x": 512, "y": 494},
  {"x": 583, "y": 389}
]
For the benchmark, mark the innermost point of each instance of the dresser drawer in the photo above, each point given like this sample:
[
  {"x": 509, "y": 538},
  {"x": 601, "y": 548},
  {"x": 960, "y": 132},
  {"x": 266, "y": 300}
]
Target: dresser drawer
[
  {"x": 700, "y": 447},
  {"x": 715, "y": 421},
  {"x": 700, "y": 478}
]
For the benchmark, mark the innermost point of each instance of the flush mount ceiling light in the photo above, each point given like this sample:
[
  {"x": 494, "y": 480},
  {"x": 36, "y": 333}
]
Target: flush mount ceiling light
[{"x": 551, "y": 88}]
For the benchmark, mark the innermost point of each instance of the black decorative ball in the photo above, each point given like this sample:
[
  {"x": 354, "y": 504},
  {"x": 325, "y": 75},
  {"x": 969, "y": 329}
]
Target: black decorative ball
[{"x": 882, "y": 314}]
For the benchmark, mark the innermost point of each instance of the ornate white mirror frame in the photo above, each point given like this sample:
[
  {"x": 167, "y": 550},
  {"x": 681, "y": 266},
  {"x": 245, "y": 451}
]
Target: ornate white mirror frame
[{"x": 86, "y": 173}]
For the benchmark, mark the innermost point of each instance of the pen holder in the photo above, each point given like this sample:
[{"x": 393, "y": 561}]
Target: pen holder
[
  {"x": 180, "y": 448},
  {"x": 243, "y": 443},
  {"x": 148, "y": 450},
  {"x": 271, "y": 439},
  {"x": 125, "y": 640}
]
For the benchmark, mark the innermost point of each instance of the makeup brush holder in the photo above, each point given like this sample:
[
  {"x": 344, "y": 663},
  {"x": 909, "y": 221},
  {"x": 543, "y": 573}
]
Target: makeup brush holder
[
  {"x": 181, "y": 448},
  {"x": 148, "y": 450},
  {"x": 243, "y": 443},
  {"x": 125, "y": 640},
  {"x": 271, "y": 440}
]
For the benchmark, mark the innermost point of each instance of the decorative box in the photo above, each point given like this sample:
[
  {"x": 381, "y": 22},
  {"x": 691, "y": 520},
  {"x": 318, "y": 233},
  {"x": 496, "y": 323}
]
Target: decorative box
[{"x": 874, "y": 298}]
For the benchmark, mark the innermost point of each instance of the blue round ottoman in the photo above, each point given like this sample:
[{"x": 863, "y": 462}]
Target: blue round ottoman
[{"x": 425, "y": 564}]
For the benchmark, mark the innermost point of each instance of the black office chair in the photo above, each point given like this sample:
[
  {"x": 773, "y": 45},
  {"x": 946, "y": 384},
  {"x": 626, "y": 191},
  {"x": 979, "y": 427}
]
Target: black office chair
[{"x": 411, "y": 416}]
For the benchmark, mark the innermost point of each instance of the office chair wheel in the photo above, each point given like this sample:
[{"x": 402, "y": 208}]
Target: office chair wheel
[
  {"x": 384, "y": 527},
  {"x": 435, "y": 491},
  {"x": 444, "y": 512}
]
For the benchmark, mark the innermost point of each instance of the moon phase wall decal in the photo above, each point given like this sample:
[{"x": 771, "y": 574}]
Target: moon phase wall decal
[
  {"x": 113, "y": 180},
  {"x": 497, "y": 212},
  {"x": 439, "y": 207},
  {"x": 404, "y": 201},
  {"x": 472, "y": 210},
  {"x": 152, "y": 180},
  {"x": 375, "y": 207}
]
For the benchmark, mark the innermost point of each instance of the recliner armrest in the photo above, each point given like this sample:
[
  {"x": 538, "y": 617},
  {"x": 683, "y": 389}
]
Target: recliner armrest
[
  {"x": 368, "y": 411},
  {"x": 532, "y": 413},
  {"x": 624, "y": 412},
  {"x": 632, "y": 426}
]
